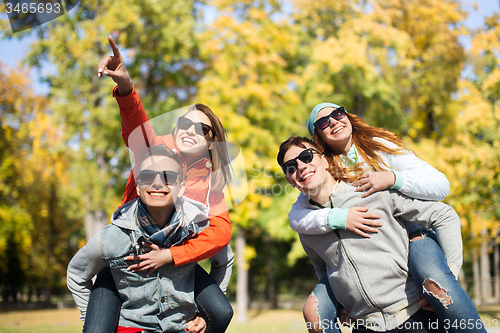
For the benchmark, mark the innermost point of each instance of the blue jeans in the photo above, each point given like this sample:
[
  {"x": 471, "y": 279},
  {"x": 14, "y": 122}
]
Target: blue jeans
[
  {"x": 426, "y": 261},
  {"x": 328, "y": 306},
  {"x": 103, "y": 309},
  {"x": 455, "y": 309}
]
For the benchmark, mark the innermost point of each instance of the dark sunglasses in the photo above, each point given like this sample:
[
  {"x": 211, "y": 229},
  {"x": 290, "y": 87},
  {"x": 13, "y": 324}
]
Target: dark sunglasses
[
  {"x": 305, "y": 156},
  {"x": 324, "y": 122},
  {"x": 147, "y": 177},
  {"x": 200, "y": 128}
]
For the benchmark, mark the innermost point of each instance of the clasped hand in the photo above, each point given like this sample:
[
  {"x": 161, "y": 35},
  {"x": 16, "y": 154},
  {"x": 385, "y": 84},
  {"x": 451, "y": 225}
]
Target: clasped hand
[
  {"x": 152, "y": 260},
  {"x": 374, "y": 181}
]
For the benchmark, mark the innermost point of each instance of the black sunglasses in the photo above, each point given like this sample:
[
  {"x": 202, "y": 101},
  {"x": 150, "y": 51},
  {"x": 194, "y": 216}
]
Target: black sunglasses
[
  {"x": 200, "y": 128},
  {"x": 147, "y": 177},
  {"x": 324, "y": 122},
  {"x": 305, "y": 156}
]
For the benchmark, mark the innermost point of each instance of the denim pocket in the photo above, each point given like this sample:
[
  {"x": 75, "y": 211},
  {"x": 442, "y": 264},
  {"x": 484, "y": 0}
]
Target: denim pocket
[{"x": 118, "y": 263}]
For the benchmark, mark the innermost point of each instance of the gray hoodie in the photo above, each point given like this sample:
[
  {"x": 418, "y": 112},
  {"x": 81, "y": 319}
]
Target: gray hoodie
[{"x": 370, "y": 276}]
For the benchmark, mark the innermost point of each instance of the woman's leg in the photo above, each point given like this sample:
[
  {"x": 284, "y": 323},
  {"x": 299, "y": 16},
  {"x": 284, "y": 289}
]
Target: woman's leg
[
  {"x": 212, "y": 302},
  {"x": 438, "y": 284},
  {"x": 321, "y": 309},
  {"x": 103, "y": 309}
]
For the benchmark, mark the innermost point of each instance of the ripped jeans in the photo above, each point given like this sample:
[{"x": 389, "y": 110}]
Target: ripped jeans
[
  {"x": 438, "y": 284},
  {"x": 431, "y": 273}
]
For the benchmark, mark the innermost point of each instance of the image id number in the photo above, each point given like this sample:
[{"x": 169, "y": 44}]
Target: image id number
[
  {"x": 33, "y": 8},
  {"x": 470, "y": 324}
]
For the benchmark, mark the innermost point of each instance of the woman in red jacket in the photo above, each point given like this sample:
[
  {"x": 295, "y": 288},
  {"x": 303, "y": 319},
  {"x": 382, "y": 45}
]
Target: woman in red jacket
[{"x": 199, "y": 139}]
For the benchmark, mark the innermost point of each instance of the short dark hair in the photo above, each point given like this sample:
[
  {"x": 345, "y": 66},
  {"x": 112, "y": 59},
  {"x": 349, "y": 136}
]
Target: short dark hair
[
  {"x": 161, "y": 150},
  {"x": 297, "y": 141}
]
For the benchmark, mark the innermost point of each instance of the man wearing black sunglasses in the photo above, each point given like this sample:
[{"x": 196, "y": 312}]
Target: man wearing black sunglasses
[
  {"x": 370, "y": 276},
  {"x": 155, "y": 296}
]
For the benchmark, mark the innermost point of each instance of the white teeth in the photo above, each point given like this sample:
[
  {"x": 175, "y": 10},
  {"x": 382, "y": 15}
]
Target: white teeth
[
  {"x": 307, "y": 176},
  {"x": 338, "y": 129},
  {"x": 188, "y": 141},
  {"x": 157, "y": 194}
]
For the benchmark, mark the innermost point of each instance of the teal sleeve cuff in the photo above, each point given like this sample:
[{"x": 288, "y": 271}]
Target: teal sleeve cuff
[
  {"x": 337, "y": 218},
  {"x": 398, "y": 183}
]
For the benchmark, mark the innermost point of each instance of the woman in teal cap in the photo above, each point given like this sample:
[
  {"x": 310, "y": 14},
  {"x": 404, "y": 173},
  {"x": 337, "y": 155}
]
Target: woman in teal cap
[{"x": 383, "y": 162}]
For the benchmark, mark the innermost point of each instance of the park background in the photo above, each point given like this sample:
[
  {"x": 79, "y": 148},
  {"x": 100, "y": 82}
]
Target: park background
[{"x": 428, "y": 70}]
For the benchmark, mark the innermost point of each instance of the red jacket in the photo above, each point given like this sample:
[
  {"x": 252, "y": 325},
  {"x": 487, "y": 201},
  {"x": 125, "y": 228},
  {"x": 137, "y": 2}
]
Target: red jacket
[{"x": 213, "y": 238}]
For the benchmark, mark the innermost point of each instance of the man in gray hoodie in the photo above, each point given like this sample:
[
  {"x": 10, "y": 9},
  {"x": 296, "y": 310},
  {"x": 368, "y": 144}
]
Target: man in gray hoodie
[{"x": 369, "y": 276}]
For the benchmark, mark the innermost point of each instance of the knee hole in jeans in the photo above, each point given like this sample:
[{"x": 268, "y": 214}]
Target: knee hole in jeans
[
  {"x": 433, "y": 288},
  {"x": 416, "y": 236},
  {"x": 311, "y": 315}
]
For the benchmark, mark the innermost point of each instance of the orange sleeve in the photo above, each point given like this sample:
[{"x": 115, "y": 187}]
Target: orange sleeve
[
  {"x": 136, "y": 127},
  {"x": 130, "y": 190},
  {"x": 131, "y": 111},
  {"x": 211, "y": 240}
]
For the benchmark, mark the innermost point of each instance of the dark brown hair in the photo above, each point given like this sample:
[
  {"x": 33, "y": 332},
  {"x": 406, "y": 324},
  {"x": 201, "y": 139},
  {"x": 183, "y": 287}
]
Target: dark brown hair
[{"x": 338, "y": 172}]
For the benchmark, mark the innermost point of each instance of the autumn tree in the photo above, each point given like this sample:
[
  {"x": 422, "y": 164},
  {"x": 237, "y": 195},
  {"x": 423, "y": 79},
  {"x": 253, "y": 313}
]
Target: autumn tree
[
  {"x": 157, "y": 40},
  {"x": 36, "y": 228}
]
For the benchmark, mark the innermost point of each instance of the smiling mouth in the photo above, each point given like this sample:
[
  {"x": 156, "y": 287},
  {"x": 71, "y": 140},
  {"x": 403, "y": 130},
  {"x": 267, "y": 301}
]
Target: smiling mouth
[
  {"x": 306, "y": 177},
  {"x": 157, "y": 194},
  {"x": 337, "y": 130},
  {"x": 188, "y": 141}
]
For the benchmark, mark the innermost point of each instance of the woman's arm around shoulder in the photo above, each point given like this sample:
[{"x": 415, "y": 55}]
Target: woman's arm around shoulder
[
  {"x": 211, "y": 240},
  {"x": 308, "y": 221}
]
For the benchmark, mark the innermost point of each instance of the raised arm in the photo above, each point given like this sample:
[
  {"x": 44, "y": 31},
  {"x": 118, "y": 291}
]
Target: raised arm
[
  {"x": 135, "y": 121},
  {"x": 131, "y": 110}
]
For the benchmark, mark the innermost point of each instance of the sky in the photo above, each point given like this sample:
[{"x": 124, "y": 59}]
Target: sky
[{"x": 13, "y": 51}]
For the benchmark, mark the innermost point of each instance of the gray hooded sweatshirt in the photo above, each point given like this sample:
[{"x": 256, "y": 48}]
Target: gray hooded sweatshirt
[{"x": 370, "y": 276}]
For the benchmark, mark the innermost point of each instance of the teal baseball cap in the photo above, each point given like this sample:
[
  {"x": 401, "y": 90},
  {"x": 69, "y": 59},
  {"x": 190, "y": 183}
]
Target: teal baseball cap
[{"x": 314, "y": 114}]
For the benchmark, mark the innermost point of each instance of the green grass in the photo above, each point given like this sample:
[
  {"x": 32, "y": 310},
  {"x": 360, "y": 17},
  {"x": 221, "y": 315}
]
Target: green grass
[
  {"x": 67, "y": 321},
  {"x": 41, "y": 321}
]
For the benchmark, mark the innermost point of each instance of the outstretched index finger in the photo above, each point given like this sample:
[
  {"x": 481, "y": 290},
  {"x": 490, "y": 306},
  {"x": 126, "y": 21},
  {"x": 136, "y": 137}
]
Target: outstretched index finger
[{"x": 116, "y": 52}]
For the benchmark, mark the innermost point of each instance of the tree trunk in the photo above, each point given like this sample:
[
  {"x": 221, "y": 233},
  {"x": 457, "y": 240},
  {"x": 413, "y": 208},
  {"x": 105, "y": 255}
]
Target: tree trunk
[
  {"x": 486, "y": 294},
  {"x": 242, "y": 282},
  {"x": 462, "y": 281},
  {"x": 496, "y": 261},
  {"x": 47, "y": 295},
  {"x": 477, "y": 278},
  {"x": 271, "y": 283},
  {"x": 93, "y": 222}
]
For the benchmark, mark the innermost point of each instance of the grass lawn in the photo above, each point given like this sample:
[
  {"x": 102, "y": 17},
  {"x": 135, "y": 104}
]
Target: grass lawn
[{"x": 67, "y": 321}]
